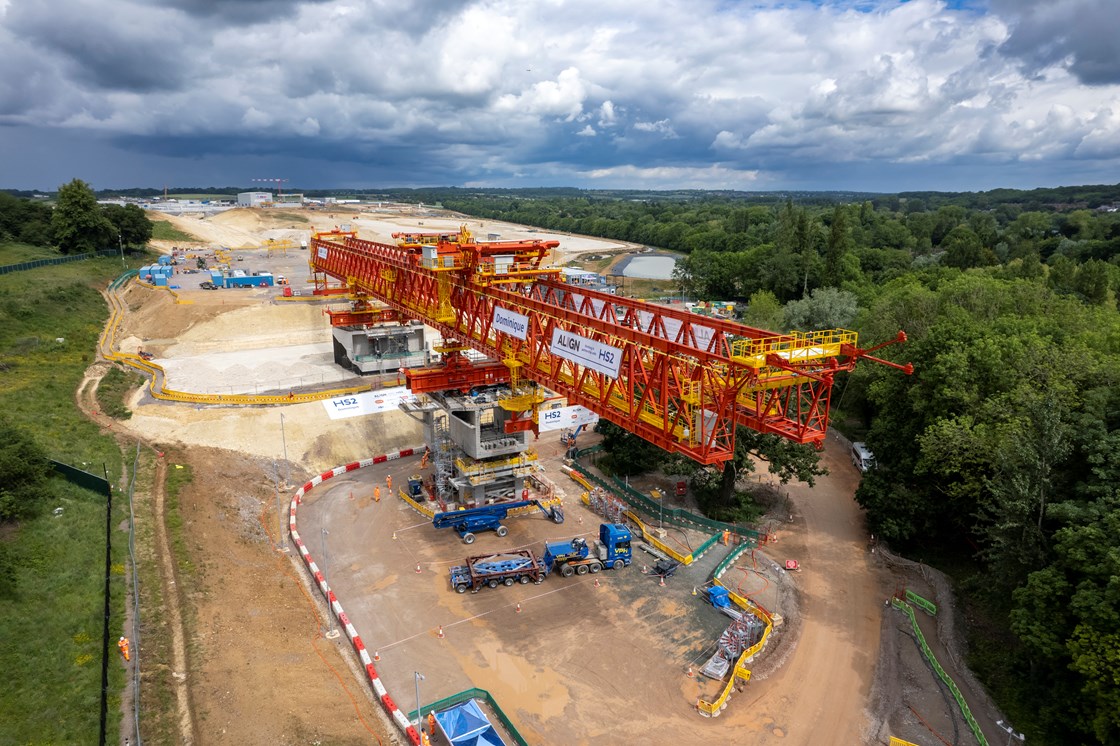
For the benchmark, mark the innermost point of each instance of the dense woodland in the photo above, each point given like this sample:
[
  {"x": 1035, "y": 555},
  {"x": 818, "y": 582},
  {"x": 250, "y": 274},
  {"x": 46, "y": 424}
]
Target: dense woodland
[
  {"x": 72, "y": 221},
  {"x": 997, "y": 459}
]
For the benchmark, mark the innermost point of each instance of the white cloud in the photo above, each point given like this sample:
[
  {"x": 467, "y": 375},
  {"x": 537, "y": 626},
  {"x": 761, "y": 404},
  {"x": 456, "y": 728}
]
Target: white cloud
[
  {"x": 661, "y": 127},
  {"x": 655, "y": 90},
  {"x": 709, "y": 177},
  {"x": 562, "y": 97}
]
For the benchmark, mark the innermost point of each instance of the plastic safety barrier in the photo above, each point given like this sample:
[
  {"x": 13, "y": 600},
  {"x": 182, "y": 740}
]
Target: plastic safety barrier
[
  {"x": 715, "y": 707},
  {"x": 953, "y": 688},
  {"x": 333, "y": 604},
  {"x": 928, "y": 606},
  {"x": 108, "y": 346}
]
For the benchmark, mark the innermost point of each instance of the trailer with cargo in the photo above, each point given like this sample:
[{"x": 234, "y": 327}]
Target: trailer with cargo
[
  {"x": 492, "y": 570},
  {"x": 571, "y": 557}
]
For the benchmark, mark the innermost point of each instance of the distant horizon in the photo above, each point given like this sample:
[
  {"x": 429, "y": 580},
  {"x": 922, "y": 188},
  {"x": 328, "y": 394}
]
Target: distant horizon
[{"x": 233, "y": 190}]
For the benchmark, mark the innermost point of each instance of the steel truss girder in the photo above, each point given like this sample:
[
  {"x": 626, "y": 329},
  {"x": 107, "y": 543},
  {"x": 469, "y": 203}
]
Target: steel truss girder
[{"x": 680, "y": 385}]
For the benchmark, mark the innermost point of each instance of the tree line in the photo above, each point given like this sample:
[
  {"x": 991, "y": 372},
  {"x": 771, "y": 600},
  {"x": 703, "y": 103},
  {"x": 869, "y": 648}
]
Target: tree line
[
  {"x": 998, "y": 459},
  {"x": 73, "y": 222}
]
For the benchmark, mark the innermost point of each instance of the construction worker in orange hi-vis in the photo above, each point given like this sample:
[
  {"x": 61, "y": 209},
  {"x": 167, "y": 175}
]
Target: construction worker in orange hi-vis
[
  {"x": 377, "y": 494},
  {"x": 389, "y": 481},
  {"x": 123, "y": 645},
  {"x": 432, "y": 723}
]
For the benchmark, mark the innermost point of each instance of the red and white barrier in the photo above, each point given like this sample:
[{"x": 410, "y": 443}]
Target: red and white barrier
[{"x": 332, "y": 600}]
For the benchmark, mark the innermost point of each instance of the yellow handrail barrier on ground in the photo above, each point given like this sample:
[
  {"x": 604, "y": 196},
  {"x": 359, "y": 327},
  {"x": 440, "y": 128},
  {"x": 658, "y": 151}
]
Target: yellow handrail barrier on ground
[
  {"x": 421, "y": 509},
  {"x": 108, "y": 345},
  {"x": 174, "y": 295},
  {"x": 714, "y": 708},
  {"x": 684, "y": 559}
]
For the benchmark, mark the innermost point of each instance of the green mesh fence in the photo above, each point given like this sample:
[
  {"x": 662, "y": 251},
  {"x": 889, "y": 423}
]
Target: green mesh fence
[
  {"x": 729, "y": 560},
  {"x": 467, "y": 695},
  {"x": 673, "y": 516},
  {"x": 953, "y": 688},
  {"x": 115, "y": 284},
  {"x": 35, "y": 263},
  {"x": 928, "y": 606}
]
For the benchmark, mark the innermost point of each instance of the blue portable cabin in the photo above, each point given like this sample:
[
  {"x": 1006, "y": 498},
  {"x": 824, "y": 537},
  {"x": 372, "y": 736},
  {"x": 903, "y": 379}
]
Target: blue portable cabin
[
  {"x": 239, "y": 279},
  {"x": 160, "y": 280},
  {"x": 165, "y": 259}
]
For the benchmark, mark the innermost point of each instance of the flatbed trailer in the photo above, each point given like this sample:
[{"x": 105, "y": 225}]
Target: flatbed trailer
[{"x": 492, "y": 570}]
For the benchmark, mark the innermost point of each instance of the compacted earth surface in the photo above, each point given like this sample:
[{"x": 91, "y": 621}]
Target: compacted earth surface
[{"x": 568, "y": 660}]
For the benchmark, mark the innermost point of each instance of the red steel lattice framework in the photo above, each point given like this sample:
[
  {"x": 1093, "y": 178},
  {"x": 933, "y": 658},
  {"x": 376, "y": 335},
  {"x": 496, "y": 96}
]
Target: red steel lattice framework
[{"x": 683, "y": 381}]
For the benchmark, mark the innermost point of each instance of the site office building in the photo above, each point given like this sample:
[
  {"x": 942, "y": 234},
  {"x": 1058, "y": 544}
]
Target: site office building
[{"x": 254, "y": 199}]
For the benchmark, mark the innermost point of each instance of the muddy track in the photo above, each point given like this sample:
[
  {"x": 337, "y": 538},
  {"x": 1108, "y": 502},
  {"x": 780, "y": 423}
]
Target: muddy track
[{"x": 86, "y": 400}]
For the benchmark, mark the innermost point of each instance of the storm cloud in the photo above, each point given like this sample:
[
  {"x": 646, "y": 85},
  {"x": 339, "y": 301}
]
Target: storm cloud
[{"x": 607, "y": 93}]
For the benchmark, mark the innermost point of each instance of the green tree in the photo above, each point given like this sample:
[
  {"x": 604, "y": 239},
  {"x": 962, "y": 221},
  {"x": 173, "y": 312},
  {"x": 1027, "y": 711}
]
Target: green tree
[
  {"x": 824, "y": 308},
  {"x": 24, "y": 220},
  {"x": 78, "y": 223},
  {"x": 132, "y": 225},
  {"x": 1092, "y": 282},
  {"x": 627, "y": 454},
  {"x": 24, "y": 470},
  {"x": 963, "y": 248},
  {"x": 785, "y": 459},
  {"x": 839, "y": 244},
  {"x": 763, "y": 311}
]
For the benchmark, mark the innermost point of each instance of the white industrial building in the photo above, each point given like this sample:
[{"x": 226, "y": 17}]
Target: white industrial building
[{"x": 254, "y": 199}]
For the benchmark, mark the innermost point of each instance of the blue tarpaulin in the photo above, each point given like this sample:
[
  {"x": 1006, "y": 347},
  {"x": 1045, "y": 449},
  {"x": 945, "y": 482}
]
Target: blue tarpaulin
[
  {"x": 719, "y": 597},
  {"x": 467, "y": 725}
]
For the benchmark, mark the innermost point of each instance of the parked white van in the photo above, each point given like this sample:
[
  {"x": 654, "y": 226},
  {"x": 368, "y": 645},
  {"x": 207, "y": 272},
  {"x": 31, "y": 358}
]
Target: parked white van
[{"x": 862, "y": 458}]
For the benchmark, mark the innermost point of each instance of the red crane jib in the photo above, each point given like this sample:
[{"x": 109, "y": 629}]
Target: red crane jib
[{"x": 677, "y": 379}]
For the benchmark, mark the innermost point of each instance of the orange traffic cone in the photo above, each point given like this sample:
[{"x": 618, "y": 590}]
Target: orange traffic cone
[
  {"x": 596, "y": 582},
  {"x": 417, "y": 568},
  {"x": 440, "y": 633},
  {"x": 394, "y": 536},
  {"x": 690, "y": 674},
  {"x": 376, "y": 655},
  {"x": 662, "y": 583},
  {"x": 519, "y": 608}
]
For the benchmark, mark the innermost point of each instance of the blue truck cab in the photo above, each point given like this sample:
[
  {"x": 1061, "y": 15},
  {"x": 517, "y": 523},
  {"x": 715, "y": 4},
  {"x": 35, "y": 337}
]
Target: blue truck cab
[{"x": 575, "y": 557}]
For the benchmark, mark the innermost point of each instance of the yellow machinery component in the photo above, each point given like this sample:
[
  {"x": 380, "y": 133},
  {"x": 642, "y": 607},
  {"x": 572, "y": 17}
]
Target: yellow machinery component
[
  {"x": 521, "y": 398},
  {"x": 795, "y": 348}
]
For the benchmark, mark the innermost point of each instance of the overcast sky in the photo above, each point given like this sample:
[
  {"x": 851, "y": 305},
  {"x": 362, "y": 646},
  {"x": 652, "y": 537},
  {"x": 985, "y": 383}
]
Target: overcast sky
[{"x": 874, "y": 95}]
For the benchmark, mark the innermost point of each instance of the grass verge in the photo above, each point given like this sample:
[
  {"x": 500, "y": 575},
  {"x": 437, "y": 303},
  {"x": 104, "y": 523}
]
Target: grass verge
[
  {"x": 53, "y": 621},
  {"x": 14, "y": 253},
  {"x": 165, "y": 231},
  {"x": 52, "y": 640}
]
